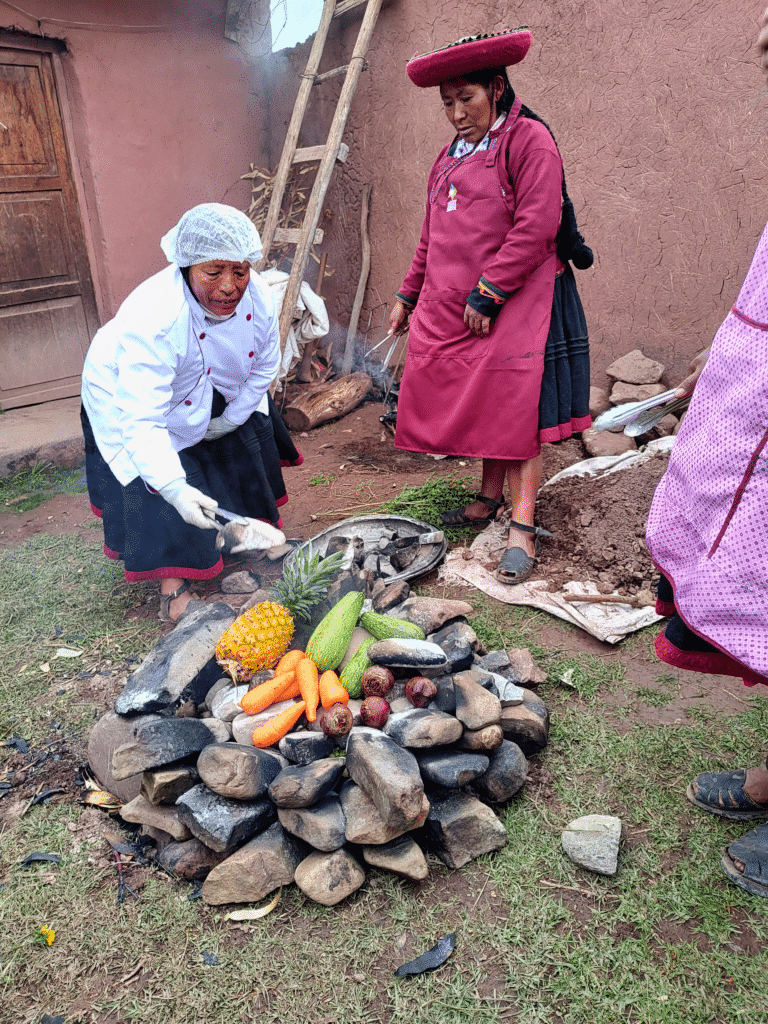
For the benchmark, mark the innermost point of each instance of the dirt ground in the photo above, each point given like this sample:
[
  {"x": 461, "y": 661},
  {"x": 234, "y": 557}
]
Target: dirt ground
[{"x": 351, "y": 465}]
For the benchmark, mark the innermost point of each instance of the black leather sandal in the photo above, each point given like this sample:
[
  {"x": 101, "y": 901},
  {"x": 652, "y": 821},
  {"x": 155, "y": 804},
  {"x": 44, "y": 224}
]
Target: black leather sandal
[
  {"x": 165, "y": 603},
  {"x": 722, "y": 793},
  {"x": 516, "y": 565},
  {"x": 457, "y": 517}
]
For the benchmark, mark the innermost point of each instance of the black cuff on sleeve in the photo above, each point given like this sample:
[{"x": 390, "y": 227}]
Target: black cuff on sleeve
[
  {"x": 405, "y": 300},
  {"x": 483, "y": 305}
]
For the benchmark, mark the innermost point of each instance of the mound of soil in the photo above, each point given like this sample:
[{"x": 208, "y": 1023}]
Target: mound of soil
[{"x": 599, "y": 527}]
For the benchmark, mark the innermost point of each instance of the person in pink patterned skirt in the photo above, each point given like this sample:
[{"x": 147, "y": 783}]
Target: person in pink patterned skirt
[{"x": 708, "y": 533}]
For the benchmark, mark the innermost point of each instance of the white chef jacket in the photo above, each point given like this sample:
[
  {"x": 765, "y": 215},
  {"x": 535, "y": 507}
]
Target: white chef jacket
[{"x": 150, "y": 372}]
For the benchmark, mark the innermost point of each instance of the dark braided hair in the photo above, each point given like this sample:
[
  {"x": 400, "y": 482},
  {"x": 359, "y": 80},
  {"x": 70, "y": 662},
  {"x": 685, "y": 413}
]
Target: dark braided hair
[{"x": 570, "y": 243}]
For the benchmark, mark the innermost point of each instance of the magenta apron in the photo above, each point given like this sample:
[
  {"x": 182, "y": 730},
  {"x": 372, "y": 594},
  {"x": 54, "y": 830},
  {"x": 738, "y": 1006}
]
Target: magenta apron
[{"x": 462, "y": 394}]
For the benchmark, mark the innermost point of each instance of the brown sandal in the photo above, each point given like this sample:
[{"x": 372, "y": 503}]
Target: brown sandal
[{"x": 165, "y": 603}]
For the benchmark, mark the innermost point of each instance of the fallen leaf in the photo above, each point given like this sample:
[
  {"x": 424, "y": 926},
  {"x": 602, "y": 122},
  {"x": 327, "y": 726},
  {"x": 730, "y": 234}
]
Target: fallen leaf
[
  {"x": 67, "y": 652},
  {"x": 253, "y": 914}
]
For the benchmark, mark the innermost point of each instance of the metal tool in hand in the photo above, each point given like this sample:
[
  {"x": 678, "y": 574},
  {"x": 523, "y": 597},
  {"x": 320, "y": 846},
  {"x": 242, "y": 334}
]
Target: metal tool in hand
[
  {"x": 647, "y": 420},
  {"x": 620, "y": 415},
  {"x": 230, "y": 516}
]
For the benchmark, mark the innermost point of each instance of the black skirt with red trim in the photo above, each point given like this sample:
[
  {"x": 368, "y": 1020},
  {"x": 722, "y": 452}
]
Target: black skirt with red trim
[{"x": 241, "y": 470}]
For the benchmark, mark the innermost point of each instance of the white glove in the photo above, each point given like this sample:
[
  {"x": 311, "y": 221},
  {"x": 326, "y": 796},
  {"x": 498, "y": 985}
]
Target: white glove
[
  {"x": 218, "y": 427},
  {"x": 192, "y": 505}
]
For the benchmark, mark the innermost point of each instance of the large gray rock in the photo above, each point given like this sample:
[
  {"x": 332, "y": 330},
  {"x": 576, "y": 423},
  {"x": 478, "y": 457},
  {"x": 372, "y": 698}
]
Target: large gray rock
[
  {"x": 328, "y": 878},
  {"x": 256, "y": 869},
  {"x": 110, "y": 732},
  {"x": 389, "y": 775},
  {"x": 390, "y": 596},
  {"x": 182, "y": 666},
  {"x": 476, "y": 707},
  {"x": 141, "y": 812},
  {"x": 364, "y": 823},
  {"x": 621, "y": 392},
  {"x": 321, "y": 826},
  {"x": 304, "y": 785},
  {"x": 459, "y": 641},
  {"x": 430, "y": 613},
  {"x": 220, "y": 823},
  {"x": 236, "y": 771},
  {"x": 161, "y": 742},
  {"x": 460, "y": 827},
  {"x": 451, "y": 769},
  {"x": 506, "y": 774},
  {"x": 403, "y": 857},
  {"x": 527, "y": 724},
  {"x": 423, "y": 727},
  {"x": 190, "y": 860},
  {"x": 525, "y": 669},
  {"x": 593, "y": 842}
]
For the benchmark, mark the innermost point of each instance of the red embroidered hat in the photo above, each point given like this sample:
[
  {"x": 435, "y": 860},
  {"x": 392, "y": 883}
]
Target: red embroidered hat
[{"x": 472, "y": 53}]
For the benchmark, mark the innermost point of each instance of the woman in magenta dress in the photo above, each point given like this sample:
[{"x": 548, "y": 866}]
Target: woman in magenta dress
[{"x": 481, "y": 289}]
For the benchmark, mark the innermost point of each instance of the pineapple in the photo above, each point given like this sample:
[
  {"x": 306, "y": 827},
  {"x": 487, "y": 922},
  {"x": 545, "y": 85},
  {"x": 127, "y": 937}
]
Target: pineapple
[
  {"x": 256, "y": 640},
  {"x": 305, "y": 581}
]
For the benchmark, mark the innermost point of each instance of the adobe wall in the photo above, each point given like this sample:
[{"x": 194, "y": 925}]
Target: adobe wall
[
  {"x": 161, "y": 120},
  {"x": 660, "y": 112}
]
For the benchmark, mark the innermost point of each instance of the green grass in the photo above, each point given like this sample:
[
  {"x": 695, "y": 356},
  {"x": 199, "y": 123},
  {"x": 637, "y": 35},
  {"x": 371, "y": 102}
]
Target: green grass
[
  {"x": 323, "y": 480},
  {"x": 667, "y": 939},
  {"x": 429, "y": 500},
  {"x": 29, "y": 488}
]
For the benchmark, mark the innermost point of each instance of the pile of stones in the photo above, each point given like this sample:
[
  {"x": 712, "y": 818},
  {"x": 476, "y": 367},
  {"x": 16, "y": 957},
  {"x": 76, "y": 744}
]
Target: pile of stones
[
  {"x": 177, "y": 751},
  {"x": 635, "y": 378}
]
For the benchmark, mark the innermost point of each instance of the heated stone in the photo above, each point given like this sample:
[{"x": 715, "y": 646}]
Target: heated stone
[
  {"x": 305, "y": 747},
  {"x": 459, "y": 641},
  {"x": 256, "y": 869},
  {"x": 110, "y": 732},
  {"x": 328, "y": 878},
  {"x": 243, "y": 725},
  {"x": 489, "y": 738},
  {"x": 421, "y": 727},
  {"x": 402, "y": 856},
  {"x": 391, "y": 596},
  {"x": 527, "y": 724},
  {"x": 635, "y": 368},
  {"x": 190, "y": 860},
  {"x": 460, "y": 828},
  {"x": 220, "y": 823},
  {"x": 181, "y": 666},
  {"x": 417, "y": 655},
  {"x": 476, "y": 707},
  {"x": 304, "y": 785},
  {"x": 160, "y": 743},
  {"x": 390, "y": 777},
  {"x": 431, "y": 613},
  {"x": 505, "y": 776},
  {"x": 165, "y": 785},
  {"x": 141, "y": 812},
  {"x": 237, "y": 771},
  {"x": 225, "y": 705},
  {"x": 242, "y": 582},
  {"x": 451, "y": 769},
  {"x": 364, "y": 823},
  {"x": 322, "y": 826},
  {"x": 445, "y": 699}
]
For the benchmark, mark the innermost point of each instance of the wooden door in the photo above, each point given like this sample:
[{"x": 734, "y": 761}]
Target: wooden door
[{"x": 47, "y": 307}]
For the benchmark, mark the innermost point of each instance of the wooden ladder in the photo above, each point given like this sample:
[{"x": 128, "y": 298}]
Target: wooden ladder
[{"x": 333, "y": 149}]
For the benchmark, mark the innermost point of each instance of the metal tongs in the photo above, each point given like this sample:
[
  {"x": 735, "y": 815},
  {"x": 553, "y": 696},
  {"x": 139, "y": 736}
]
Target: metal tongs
[{"x": 639, "y": 417}]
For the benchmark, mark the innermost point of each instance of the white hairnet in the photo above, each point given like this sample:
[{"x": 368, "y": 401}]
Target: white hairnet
[{"x": 212, "y": 231}]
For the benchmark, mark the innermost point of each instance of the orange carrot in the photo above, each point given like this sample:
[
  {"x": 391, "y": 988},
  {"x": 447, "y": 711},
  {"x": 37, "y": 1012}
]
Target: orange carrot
[
  {"x": 277, "y": 726},
  {"x": 267, "y": 693},
  {"x": 331, "y": 690},
  {"x": 289, "y": 661},
  {"x": 307, "y": 678},
  {"x": 291, "y": 691}
]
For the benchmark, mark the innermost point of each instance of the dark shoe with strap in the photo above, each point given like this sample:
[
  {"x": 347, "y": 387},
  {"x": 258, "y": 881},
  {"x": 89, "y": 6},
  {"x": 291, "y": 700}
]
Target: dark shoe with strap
[
  {"x": 723, "y": 793},
  {"x": 516, "y": 565},
  {"x": 165, "y": 604},
  {"x": 457, "y": 517},
  {"x": 751, "y": 851}
]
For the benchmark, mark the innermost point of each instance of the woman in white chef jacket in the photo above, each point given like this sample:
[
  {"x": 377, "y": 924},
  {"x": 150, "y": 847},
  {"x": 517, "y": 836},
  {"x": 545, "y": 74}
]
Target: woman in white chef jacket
[{"x": 177, "y": 416}]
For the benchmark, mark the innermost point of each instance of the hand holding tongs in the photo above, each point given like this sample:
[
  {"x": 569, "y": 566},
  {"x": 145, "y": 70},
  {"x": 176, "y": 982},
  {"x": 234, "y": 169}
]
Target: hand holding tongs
[{"x": 638, "y": 417}]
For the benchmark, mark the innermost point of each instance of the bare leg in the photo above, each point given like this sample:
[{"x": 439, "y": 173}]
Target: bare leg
[
  {"x": 524, "y": 481},
  {"x": 176, "y": 607},
  {"x": 756, "y": 784},
  {"x": 494, "y": 471}
]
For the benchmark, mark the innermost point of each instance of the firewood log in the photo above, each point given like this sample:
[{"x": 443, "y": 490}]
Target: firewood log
[{"x": 320, "y": 403}]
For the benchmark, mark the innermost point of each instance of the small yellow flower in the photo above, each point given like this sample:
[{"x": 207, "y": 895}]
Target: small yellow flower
[{"x": 45, "y": 935}]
